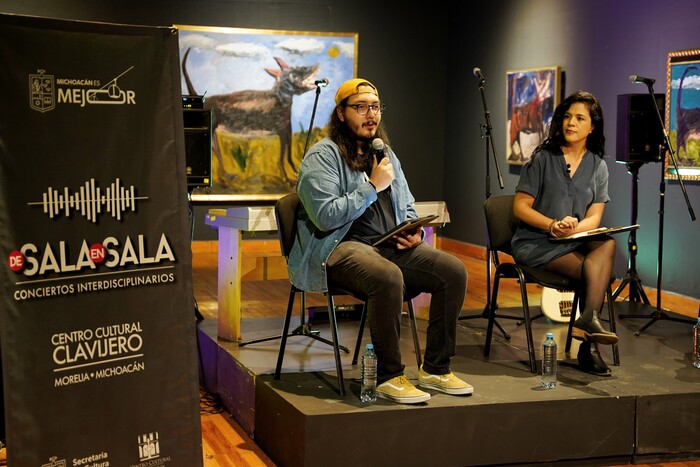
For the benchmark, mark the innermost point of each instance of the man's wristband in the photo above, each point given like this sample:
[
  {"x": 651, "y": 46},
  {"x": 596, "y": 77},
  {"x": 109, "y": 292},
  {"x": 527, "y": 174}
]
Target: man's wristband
[
  {"x": 551, "y": 224},
  {"x": 373, "y": 185}
]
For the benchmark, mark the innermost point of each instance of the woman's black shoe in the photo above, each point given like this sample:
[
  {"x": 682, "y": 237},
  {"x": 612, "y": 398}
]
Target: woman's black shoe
[
  {"x": 592, "y": 331},
  {"x": 590, "y": 360}
]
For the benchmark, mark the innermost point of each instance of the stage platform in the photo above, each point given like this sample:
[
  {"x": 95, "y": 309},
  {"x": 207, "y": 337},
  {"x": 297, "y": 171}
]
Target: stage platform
[{"x": 647, "y": 411}]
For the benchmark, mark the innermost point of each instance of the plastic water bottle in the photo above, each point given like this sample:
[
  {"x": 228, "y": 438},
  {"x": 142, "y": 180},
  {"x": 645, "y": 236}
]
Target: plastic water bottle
[
  {"x": 549, "y": 362},
  {"x": 368, "y": 392},
  {"x": 695, "y": 359}
]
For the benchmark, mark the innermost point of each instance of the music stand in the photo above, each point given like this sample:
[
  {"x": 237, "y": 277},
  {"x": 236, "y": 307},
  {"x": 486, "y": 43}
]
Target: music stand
[
  {"x": 659, "y": 313},
  {"x": 486, "y": 135}
]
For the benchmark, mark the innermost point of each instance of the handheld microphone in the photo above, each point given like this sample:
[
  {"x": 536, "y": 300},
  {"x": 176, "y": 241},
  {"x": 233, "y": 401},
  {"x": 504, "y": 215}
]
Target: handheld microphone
[
  {"x": 477, "y": 73},
  {"x": 378, "y": 146},
  {"x": 321, "y": 82},
  {"x": 642, "y": 79}
]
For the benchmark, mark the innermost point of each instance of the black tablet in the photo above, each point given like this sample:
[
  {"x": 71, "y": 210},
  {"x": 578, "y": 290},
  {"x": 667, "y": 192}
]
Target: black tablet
[{"x": 405, "y": 225}]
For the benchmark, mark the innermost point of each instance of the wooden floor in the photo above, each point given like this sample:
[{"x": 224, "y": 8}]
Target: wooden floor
[{"x": 225, "y": 444}]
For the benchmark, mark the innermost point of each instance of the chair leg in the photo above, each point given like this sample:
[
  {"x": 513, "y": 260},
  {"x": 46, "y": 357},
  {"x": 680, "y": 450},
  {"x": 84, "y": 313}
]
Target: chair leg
[
  {"x": 363, "y": 319},
  {"x": 572, "y": 319},
  {"x": 492, "y": 316},
  {"x": 285, "y": 331},
  {"x": 414, "y": 332},
  {"x": 613, "y": 327},
  {"x": 336, "y": 344},
  {"x": 528, "y": 325}
]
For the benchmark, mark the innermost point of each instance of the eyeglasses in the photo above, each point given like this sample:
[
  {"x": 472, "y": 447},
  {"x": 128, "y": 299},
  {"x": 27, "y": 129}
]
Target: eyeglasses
[{"x": 362, "y": 109}]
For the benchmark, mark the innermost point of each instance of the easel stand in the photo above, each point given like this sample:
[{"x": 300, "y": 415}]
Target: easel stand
[
  {"x": 486, "y": 135},
  {"x": 658, "y": 313}
]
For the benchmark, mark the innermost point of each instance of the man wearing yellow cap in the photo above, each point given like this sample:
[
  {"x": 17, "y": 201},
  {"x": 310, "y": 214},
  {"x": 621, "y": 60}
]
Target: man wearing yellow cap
[{"x": 351, "y": 194}]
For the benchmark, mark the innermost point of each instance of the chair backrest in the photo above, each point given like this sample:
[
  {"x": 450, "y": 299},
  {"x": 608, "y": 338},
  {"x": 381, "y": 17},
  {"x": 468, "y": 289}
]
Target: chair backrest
[
  {"x": 501, "y": 223},
  {"x": 286, "y": 212}
]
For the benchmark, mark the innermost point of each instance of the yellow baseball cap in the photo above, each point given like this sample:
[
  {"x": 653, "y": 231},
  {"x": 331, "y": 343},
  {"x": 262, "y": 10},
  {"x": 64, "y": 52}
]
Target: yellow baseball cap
[{"x": 352, "y": 87}]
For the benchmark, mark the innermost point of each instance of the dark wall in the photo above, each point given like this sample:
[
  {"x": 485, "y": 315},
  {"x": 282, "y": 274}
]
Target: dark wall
[
  {"x": 401, "y": 50},
  {"x": 421, "y": 58},
  {"x": 598, "y": 44}
]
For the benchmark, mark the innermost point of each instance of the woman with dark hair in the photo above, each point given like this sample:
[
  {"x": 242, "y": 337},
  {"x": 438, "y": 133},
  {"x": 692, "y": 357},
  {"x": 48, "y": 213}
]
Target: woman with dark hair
[{"x": 562, "y": 190}]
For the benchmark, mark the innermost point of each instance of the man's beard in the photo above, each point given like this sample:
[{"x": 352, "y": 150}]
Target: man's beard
[
  {"x": 364, "y": 153},
  {"x": 364, "y": 144}
]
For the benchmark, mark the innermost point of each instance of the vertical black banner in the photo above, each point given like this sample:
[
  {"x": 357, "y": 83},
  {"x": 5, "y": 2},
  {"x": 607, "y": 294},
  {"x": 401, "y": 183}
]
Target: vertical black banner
[{"x": 96, "y": 312}]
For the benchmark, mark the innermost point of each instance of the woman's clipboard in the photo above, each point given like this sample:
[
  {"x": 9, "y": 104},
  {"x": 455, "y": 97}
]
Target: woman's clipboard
[
  {"x": 596, "y": 232},
  {"x": 405, "y": 225}
]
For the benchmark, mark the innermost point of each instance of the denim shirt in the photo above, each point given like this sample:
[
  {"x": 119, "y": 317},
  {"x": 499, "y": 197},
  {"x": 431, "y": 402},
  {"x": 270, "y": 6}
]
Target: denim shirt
[{"x": 333, "y": 196}]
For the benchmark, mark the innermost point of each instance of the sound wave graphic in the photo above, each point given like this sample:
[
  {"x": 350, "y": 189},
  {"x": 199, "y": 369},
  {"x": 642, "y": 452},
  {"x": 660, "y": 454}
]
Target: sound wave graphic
[{"x": 90, "y": 200}]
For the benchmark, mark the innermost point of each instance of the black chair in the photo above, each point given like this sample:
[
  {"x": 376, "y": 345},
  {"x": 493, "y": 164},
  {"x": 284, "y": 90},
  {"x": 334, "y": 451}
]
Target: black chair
[
  {"x": 286, "y": 213},
  {"x": 501, "y": 224}
]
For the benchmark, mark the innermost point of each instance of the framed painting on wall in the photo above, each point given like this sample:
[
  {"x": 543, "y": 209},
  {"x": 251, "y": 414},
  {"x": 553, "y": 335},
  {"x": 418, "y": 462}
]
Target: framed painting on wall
[
  {"x": 683, "y": 113},
  {"x": 263, "y": 87},
  {"x": 532, "y": 96}
]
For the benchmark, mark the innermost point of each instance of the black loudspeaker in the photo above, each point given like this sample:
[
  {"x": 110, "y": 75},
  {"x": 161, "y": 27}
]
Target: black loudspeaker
[
  {"x": 639, "y": 133},
  {"x": 198, "y": 147}
]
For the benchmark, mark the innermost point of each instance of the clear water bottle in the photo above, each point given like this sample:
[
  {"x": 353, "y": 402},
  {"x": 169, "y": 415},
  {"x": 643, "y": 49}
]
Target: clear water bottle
[
  {"x": 695, "y": 359},
  {"x": 549, "y": 362},
  {"x": 368, "y": 392}
]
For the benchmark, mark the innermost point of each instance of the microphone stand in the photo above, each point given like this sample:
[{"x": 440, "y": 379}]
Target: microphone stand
[
  {"x": 304, "y": 328},
  {"x": 313, "y": 114},
  {"x": 488, "y": 138},
  {"x": 659, "y": 312},
  {"x": 190, "y": 211}
]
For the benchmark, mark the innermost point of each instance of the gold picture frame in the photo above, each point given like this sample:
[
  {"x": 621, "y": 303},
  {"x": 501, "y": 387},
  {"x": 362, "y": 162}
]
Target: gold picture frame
[
  {"x": 532, "y": 96},
  {"x": 683, "y": 114},
  {"x": 260, "y": 86}
]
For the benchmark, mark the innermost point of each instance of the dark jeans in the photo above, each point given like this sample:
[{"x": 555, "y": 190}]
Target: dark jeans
[{"x": 382, "y": 277}]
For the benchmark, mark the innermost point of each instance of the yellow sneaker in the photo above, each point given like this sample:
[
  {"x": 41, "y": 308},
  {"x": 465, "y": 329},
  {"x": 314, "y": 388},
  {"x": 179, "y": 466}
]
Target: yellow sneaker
[
  {"x": 400, "y": 389},
  {"x": 449, "y": 383}
]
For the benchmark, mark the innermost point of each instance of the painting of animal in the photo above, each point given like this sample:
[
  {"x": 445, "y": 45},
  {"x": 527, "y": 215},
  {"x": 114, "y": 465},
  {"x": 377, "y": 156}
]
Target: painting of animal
[
  {"x": 258, "y": 112},
  {"x": 259, "y": 86},
  {"x": 687, "y": 121},
  {"x": 531, "y": 101}
]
